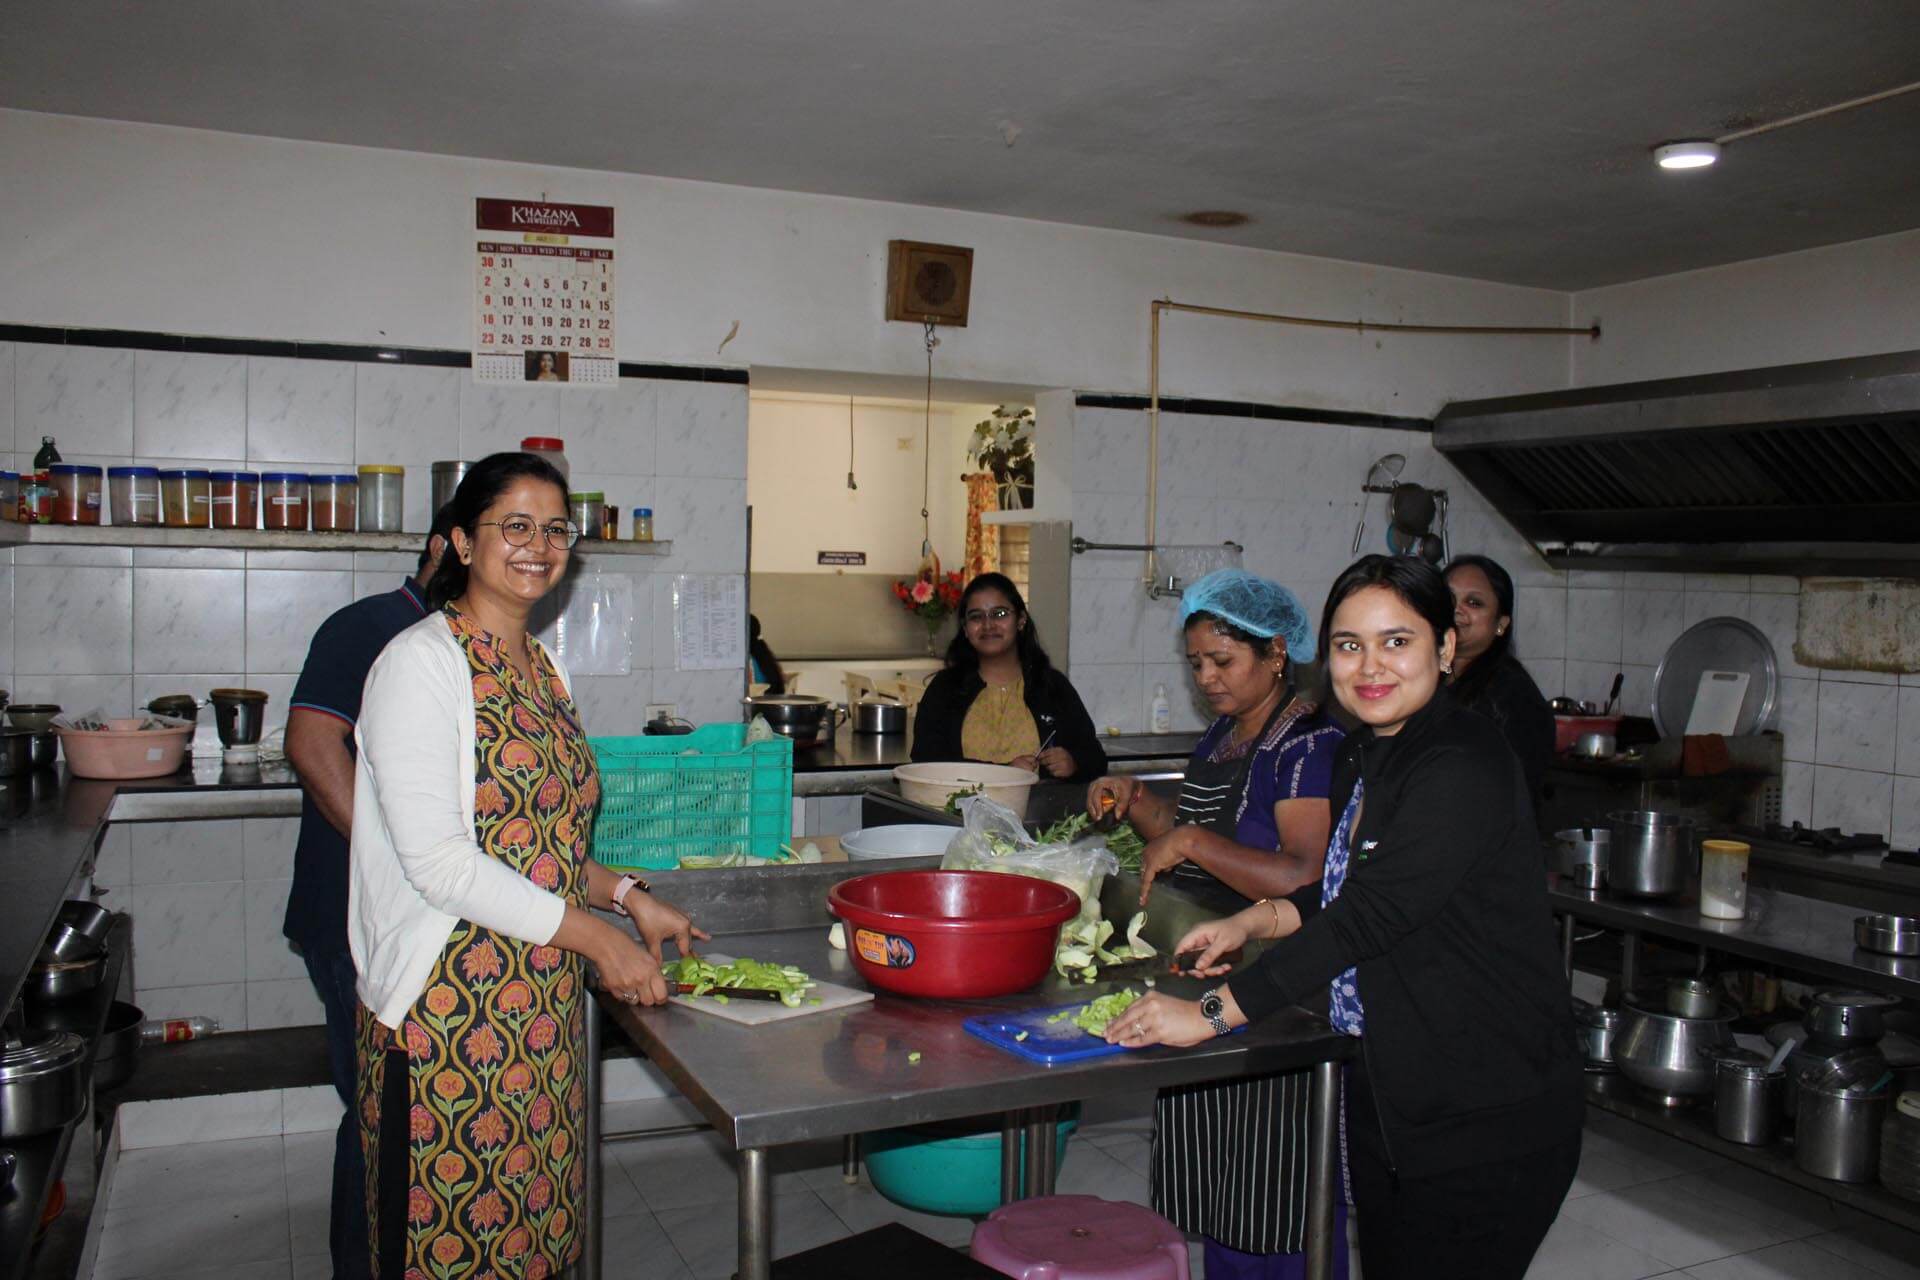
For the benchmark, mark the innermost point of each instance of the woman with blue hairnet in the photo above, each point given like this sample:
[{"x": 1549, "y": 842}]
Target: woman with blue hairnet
[{"x": 1250, "y": 826}]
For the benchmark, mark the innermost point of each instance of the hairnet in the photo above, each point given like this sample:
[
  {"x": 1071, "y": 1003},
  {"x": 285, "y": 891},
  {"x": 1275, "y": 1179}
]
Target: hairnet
[{"x": 1253, "y": 604}]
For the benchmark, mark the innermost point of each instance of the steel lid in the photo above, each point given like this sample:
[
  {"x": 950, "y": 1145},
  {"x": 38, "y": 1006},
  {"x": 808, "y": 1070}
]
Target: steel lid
[
  {"x": 40, "y": 1055},
  {"x": 1718, "y": 644}
]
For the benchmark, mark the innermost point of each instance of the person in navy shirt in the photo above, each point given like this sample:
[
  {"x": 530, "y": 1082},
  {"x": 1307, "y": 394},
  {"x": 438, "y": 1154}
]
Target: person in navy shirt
[{"x": 326, "y": 703}]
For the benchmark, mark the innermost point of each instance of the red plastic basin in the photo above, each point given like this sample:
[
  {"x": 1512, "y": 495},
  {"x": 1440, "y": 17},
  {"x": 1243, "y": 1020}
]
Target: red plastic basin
[{"x": 952, "y": 934}]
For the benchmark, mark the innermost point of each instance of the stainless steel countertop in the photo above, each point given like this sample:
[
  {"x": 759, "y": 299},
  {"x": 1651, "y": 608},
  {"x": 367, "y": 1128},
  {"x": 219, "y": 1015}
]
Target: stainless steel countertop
[
  {"x": 847, "y": 1071},
  {"x": 1781, "y": 928}
]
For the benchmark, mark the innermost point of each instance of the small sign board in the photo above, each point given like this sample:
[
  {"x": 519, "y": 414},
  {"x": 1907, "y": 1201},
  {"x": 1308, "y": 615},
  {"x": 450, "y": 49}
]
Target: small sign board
[{"x": 843, "y": 557}]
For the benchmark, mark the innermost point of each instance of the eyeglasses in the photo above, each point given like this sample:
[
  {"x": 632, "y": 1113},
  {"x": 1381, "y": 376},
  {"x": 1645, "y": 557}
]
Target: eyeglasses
[
  {"x": 518, "y": 531},
  {"x": 999, "y": 613}
]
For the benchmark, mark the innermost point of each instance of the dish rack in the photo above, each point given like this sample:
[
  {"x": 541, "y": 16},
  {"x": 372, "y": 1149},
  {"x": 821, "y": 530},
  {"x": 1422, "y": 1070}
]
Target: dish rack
[{"x": 706, "y": 794}]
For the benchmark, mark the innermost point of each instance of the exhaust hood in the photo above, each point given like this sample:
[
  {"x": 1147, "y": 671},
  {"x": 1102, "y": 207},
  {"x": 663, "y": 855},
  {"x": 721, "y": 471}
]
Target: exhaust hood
[{"x": 1803, "y": 469}]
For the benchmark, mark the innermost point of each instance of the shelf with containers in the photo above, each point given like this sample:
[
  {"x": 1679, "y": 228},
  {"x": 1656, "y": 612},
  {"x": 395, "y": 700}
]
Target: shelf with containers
[{"x": 14, "y": 534}]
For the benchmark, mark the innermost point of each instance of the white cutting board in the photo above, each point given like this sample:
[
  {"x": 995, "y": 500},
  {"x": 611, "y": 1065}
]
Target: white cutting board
[
  {"x": 1716, "y": 702},
  {"x": 754, "y": 1013}
]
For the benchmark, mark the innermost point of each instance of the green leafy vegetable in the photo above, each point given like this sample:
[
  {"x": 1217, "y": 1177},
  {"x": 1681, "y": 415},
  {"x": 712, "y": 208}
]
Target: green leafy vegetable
[
  {"x": 704, "y": 976},
  {"x": 953, "y": 801},
  {"x": 1095, "y": 1016}
]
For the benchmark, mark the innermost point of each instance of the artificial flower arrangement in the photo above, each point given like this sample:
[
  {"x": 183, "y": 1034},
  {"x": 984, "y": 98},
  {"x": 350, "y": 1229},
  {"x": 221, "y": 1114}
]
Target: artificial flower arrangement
[{"x": 930, "y": 597}]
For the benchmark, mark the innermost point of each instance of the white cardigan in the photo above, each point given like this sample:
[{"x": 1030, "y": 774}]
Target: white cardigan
[{"x": 418, "y": 869}]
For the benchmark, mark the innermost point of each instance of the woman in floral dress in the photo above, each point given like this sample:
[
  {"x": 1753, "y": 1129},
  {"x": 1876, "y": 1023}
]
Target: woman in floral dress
[{"x": 469, "y": 915}]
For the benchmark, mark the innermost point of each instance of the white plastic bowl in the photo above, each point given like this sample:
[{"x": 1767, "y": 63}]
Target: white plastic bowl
[
  {"x": 907, "y": 840},
  {"x": 933, "y": 784}
]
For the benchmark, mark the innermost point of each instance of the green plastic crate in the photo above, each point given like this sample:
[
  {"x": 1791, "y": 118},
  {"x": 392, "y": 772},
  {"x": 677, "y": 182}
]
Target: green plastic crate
[{"x": 708, "y": 793}]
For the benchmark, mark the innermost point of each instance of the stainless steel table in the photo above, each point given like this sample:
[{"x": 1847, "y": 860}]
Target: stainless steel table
[{"x": 849, "y": 1071}]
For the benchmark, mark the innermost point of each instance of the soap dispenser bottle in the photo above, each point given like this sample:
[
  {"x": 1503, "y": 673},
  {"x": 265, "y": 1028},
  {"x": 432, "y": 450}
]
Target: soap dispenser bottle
[{"x": 1162, "y": 711}]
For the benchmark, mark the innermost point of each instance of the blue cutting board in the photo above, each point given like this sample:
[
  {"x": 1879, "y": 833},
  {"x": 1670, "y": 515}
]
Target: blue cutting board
[{"x": 1046, "y": 1042}]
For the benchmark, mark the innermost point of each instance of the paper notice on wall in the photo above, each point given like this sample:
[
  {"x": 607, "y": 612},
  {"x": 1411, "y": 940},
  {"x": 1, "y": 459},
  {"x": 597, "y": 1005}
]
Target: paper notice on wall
[
  {"x": 709, "y": 622},
  {"x": 543, "y": 296},
  {"x": 593, "y": 633}
]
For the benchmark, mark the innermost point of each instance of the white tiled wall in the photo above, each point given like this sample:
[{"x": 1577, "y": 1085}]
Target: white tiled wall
[
  {"x": 1290, "y": 493},
  {"x": 113, "y": 628}
]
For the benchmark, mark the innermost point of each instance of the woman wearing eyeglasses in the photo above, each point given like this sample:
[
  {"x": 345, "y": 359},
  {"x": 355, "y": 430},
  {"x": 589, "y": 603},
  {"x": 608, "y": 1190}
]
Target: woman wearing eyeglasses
[
  {"x": 468, "y": 915},
  {"x": 999, "y": 700}
]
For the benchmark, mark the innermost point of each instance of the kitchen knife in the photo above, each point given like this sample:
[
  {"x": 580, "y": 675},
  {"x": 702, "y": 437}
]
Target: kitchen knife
[{"x": 732, "y": 993}]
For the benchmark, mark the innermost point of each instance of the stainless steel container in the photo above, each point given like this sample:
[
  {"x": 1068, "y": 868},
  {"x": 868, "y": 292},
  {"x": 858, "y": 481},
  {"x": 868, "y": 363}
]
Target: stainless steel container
[
  {"x": 1692, "y": 998},
  {"x": 16, "y": 753},
  {"x": 804, "y": 719},
  {"x": 1747, "y": 1098},
  {"x": 1848, "y": 1017},
  {"x": 1818, "y": 1056},
  {"x": 1668, "y": 1055},
  {"x": 239, "y": 715},
  {"x": 1652, "y": 853},
  {"x": 1836, "y": 1133},
  {"x": 43, "y": 1084},
  {"x": 1888, "y": 935},
  {"x": 53, "y": 979},
  {"x": 879, "y": 714},
  {"x": 89, "y": 918},
  {"x": 446, "y": 478},
  {"x": 1583, "y": 854},
  {"x": 1596, "y": 1025},
  {"x": 117, "y": 1052}
]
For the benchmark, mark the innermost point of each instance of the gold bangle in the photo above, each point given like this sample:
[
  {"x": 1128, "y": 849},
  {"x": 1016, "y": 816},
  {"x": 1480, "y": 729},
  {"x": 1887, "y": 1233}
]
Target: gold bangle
[{"x": 1275, "y": 907}]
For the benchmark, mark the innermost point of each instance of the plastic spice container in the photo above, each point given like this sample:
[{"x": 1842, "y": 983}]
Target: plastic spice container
[
  {"x": 9, "y": 495},
  {"x": 186, "y": 499},
  {"x": 643, "y": 524},
  {"x": 382, "y": 491},
  {"x": 550, "y": 448},
  {"x": 588, "y": 512},
  {"x": 134, "y": 494},
  {"x": 76, "y": 493},
  {"x": 236, "y": 500},
  {"x": 336, "y": 503},
  {"x": 283, "y": 500}
]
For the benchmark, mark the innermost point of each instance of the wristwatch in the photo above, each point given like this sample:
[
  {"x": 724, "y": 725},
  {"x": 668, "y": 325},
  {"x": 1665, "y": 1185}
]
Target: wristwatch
[
  {"x": 1214, "y": 1009},
  {"x": 625, "y": 885}
]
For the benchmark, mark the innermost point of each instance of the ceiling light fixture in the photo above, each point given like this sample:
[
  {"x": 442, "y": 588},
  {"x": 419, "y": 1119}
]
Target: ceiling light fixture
[
  {"x": 1699, "y": 153},
  {"x": 1695, "y": 153}
]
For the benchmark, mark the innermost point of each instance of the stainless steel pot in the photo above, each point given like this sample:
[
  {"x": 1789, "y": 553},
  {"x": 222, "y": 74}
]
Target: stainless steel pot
[
  {"x": 446, "y": 479},
  {"x": 1583, "y": 854},
  {"x": 1888, "y": 935},
  {"x": 1652, "y": 852},
  {"x": 1667, "y": 1055},
  {"x": 52, "y": 978},
  {"x": 879, "y": 714},
  {"x": 1848, "y": 1017},
  {"x": 1747, "y": 1098},
  {"x": 1692, "y": 998},
  {"x": 797, "y": 716},
  {"x": 1818, "y": 1057},
  {"x": 117, "y": 1052},
  {"x": 1597, "y": 1027},
  {"x": 1837, "y": 1131},
  {"x": 87, "y": 918},
  {"x": 43, "y": 1084},
  {"x": 1594, "y": 746}
]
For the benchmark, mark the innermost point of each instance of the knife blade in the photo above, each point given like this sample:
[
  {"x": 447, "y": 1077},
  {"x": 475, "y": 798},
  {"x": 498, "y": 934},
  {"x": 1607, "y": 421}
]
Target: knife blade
[{"x": 732, "y": 993}]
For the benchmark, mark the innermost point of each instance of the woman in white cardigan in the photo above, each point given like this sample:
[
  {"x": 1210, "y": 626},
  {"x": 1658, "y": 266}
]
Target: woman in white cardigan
[{"x": 469, "y": 917}]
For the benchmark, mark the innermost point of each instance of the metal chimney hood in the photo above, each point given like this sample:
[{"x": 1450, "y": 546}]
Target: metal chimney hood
[{"x": 1803, "y": 469}]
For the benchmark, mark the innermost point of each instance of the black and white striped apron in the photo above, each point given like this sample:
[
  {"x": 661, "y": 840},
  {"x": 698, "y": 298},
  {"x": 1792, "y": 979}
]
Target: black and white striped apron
[{"x": 1230, "y": 1158}]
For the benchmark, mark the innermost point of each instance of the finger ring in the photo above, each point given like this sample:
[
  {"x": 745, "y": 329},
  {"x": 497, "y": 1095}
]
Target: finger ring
[{"x": 632, "y": 997}]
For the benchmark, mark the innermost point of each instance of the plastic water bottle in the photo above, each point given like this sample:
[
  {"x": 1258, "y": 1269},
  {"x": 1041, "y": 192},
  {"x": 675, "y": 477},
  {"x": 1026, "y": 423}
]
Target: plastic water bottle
[
  {"x": 1162, "y": 711},
  {"x": 173, "y": 1030}
]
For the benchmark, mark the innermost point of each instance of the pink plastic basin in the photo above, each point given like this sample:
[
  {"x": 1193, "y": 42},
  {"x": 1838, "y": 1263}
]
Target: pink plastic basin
[
  {"x": 1080, "y": 1238},
  {"x": 124, "y": 750}
]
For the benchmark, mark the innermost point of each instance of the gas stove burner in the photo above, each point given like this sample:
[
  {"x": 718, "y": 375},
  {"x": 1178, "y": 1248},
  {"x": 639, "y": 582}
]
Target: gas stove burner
[{"x": 1824, "y": 839}]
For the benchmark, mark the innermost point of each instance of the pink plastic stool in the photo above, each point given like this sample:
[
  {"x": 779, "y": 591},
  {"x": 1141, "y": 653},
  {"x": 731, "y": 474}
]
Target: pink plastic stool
[{"x": 1080, "y": 1238}]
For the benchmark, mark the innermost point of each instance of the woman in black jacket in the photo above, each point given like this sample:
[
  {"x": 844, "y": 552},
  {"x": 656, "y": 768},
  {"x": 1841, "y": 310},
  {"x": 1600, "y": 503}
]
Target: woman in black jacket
[
  {"x": 999, "y": 700},
  {"x": 1434, "y": 944},
  {"x": 1487, "y": 675}
]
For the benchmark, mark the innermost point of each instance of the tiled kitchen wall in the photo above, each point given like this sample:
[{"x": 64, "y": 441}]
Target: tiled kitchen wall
[
  {"x": 112, "y": 628},
  {"x": 1290, "y": 493}
]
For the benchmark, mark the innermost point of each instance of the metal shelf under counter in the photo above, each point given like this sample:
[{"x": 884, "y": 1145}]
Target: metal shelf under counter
[{"x": 15, "y": 534}]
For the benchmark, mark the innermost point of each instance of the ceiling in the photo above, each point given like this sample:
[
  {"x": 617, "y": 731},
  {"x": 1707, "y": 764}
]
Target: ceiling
[{"x": 1500, "y": 139}]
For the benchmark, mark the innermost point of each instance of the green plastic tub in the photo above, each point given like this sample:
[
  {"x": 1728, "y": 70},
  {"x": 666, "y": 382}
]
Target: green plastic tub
[{"x": 948, "y": 1168}]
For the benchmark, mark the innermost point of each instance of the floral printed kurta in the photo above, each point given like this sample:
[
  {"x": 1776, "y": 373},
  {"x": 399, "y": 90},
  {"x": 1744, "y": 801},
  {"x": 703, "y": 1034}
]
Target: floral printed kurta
[{"x": 496, "y": 1045}]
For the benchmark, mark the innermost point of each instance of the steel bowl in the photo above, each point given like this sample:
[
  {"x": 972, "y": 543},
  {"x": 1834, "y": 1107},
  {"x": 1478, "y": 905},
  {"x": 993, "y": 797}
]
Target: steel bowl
[
  {"x": 88, "y": 918},
  {"x": 117, "y": 1052},
  {"x": 54, "y": 979},
  {"x": 1670, "y": 1056},
  {"x": 34, "y": 717},
  {"x": 43, "y": 1084},
  {"x": 1888, "y": 935}
]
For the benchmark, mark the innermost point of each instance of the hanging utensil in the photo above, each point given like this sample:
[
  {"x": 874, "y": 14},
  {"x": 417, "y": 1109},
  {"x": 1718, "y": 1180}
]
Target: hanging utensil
[
  {"x": 1411, "y": 507},
  {"x": 1613, "y": 694},
  {"x": 1385, "y": 468}
]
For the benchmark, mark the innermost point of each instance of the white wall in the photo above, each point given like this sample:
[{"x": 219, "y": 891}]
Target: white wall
[
  {"x": 146, "y": 227},
  {"x": 797, "y": 482}
]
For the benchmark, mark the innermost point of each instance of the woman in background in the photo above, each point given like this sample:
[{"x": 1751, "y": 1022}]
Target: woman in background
[
  {"x": 999, "y": 699},
  {"x": 764, "y": 667},
  {"x": 1488, "y": 676}
]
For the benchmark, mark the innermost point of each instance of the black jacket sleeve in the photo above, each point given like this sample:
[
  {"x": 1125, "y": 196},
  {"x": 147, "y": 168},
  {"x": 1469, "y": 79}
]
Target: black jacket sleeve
[
  {"x": 938, "y": 718},
  {"x": 1424, "y": 848},
  {"x": 1526, "y": 720},
  {"x": 1073, "y": 727}
]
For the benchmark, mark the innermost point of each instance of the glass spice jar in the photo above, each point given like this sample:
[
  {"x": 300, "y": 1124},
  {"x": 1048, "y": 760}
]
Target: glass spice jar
[
  {"x": 186, "y": 499},
  {"x": 76, "y": 493},
  {"x": 283, "y": 501},
  {"x": 236, "y": 500},
  {"x": 335, "y": 503},
  {"x": 134, "y": 495}
]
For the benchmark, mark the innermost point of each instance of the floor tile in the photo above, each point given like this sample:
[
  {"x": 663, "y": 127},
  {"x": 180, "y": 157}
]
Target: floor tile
[
  {"x": 309, "y": 1219},
  {"x": 708, "y": 1242},
  {"x": 221, "y": 1234},
  {"x": 640, "y": 1114},
  {"x": 1135, "y": 1153},
  {"x": 1600, "y": 1172},
  {"x": 618, "y": 1196},
  {"x": 1793, "y": 1260},
  {"x": 312, "y": 1266},
  {"x": 1676, "y": 1226},
  {"x": 279, "y": 1269},
  {"x": 862, "y": 1208},
  {"x": 1089, "y": 1171},
  {"x": 1647, "y": 1156},
  {"x": 634, "y": 1245},
  {"x": 680, "y": 1172},
  {"x": 1574, "y": 1251},
  {"x": 1883, "y": 1249},
  {"x": 1796, "y": 1212},
  {"x": 200, "y": 1171}
]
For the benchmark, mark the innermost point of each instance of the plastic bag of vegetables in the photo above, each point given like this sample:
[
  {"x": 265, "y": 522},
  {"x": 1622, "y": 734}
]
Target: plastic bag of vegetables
[{"x": 992, "y": 839}]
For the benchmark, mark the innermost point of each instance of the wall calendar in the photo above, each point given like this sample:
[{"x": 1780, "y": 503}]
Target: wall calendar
[{"x": 543, "y": 293}]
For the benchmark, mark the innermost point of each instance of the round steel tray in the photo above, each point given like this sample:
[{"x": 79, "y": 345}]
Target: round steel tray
[{"x": 1717, "y": 644}]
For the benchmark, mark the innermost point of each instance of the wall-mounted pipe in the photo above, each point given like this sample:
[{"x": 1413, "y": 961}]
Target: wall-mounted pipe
[{"x": 1313, "y": 322}]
